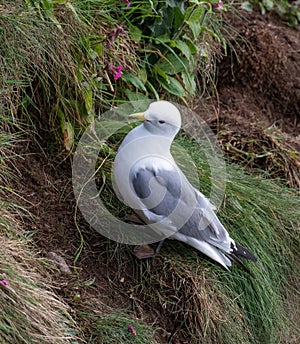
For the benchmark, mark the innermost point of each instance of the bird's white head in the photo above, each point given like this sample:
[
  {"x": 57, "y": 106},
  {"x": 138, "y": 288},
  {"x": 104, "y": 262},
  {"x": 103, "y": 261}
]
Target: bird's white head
[
  {"x": 161, "y": 118},
  {"x": 164, "y": 111}
]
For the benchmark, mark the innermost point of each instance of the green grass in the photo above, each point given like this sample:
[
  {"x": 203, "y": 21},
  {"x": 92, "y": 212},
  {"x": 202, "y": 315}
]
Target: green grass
[
  {"x": 55, "y": 64},
  {"x": 30, "y": 312},
  {"x": 262, "y": 215},
  {"x": 57, "y": 61},
  {"x": 191, "y": 295},
  {"x": 54, "y": 78},
  {"x": 111, "y": 326},
  {"x": 207, "y": 304}
]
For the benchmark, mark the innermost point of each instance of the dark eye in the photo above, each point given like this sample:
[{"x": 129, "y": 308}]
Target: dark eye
[{"x": 161, "y": 122}]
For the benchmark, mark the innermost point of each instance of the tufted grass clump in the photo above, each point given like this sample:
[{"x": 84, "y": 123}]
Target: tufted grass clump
[
  {"x": 30, "y": 312},
  {"x": 57, "y": 64},
  {"x": 200, "y": 302},
  {"x": 110, "y": 326}
]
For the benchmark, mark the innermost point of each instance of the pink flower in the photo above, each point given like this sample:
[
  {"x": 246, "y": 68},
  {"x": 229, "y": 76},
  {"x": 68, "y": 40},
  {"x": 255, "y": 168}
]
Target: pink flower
[
  {"x": 217, "y": 6},
  {"x": 118, "y": 72},
  {"x": 128, "y": 3},
  {"x": 4, "y": 281},
  {"x": 131, "y": 329}
]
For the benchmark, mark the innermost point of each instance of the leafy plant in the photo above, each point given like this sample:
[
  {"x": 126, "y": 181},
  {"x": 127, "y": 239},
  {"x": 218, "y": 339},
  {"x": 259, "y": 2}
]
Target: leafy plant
[
  {"x": 287, "y": 10},
  {"x": 178, "y": 37},
  {"x": 58, "y": 62}
]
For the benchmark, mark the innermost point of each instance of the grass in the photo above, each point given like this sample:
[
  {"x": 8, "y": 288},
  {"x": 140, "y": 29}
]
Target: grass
[
  {"x": 54, "y": 77},
  {"x": 263, "y": 216},
  {"x": 181, "y": 294},
  {"x": 30, "y": 312},
  {"x": 55, "y": 66},
  {"x": 205, "y": 304},
  {"x": 58, "y": 61},
  {"x": 112, "y": 326}
]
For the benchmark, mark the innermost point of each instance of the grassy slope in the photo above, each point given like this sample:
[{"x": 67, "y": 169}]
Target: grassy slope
[
  {"x": 30, "y": 312},
  {"x": 202, "y": 301}
]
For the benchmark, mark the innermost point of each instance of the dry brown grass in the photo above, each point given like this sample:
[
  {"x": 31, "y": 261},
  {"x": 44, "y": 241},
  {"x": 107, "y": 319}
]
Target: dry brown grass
[{"x": 30, "y": 312}]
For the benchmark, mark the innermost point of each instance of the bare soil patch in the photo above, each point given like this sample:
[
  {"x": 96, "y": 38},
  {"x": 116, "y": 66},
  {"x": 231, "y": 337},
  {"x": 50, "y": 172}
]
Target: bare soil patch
[{"x": 257, "y": 115}]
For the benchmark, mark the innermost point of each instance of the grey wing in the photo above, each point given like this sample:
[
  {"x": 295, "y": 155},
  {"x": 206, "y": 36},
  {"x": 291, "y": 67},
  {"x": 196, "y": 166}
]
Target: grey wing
[
  {"x": 204, "y": 225},
  {"x": 168, "y": 194},
  {"x": 158, "y": 189}
]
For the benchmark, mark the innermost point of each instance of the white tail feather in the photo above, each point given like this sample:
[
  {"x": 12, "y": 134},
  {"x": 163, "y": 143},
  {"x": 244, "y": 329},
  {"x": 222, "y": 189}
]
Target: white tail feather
[{"x": 205, "y": 248}]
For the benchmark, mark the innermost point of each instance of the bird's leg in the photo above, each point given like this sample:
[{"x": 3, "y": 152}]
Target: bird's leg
[
  {"x": 144, "y": 251},
  {"x": 159, "y": 246}
]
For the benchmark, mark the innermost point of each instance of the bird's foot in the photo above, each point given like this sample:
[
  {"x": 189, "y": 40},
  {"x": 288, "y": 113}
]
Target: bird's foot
[{"x": 146, "y": 251}]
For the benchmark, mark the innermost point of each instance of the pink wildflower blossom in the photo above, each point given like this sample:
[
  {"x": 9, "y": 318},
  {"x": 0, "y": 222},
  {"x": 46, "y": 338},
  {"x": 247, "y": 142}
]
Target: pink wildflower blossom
[
  {"x": 131, "y": 329},
  {"x": 217, "y": 6},
  {"x": 128, "y": 3},
  {"x": 117, "y": 72},
  {"x": 4, "y": 281}
]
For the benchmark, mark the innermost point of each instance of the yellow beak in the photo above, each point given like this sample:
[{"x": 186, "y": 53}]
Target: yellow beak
[{"x": 139, "y": 116}]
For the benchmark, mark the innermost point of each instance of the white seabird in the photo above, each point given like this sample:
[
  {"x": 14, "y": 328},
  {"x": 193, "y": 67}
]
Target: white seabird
[{"x": 151, "y": 183}]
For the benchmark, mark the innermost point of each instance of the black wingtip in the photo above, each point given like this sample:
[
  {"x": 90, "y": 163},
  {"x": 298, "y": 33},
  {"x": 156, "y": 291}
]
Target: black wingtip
[
  {"x": 240, "y": 251},
  {"x": 238, "y": 262}
]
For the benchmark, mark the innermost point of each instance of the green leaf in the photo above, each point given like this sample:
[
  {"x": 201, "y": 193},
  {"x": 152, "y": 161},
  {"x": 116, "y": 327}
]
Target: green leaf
[
  {"x": 92, "y": 54},
  {"x": 173, "y": 86},
  {"x": 98, "y": 48},
  {"x": 88, "y": 98},
  {"x": 247, "y": 6},
  {"x": 262, "y": 8},
  {"x": 142, "y": 75},
  {"x": 157, "y": 70},
  {"x": 183, "y": 47},
  {"x": 164, "y": 24},
  {"x": 134, "y": 80},
  {"x": 48, "y": 5},
  {"x": 68, "y": 135},
  {"x": 67, "y": 130},
  {"x": 189, "y": 82},
  {"x": 192, "y": 46},
  {"x": 49, "y": 10},
  {"x": 178, "y": 18},
  {"x": 172, "y": 64},
  {"x": 293, "y": 21},
  {"x": 163, "y": 39},
  {"x": 193, "y": 19},
  {"x": 135, "y": 96},
  {"x": 269, "y": 4},
  {"x": 79, "y": 73},
  {"x": 153, "y": 90}
]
